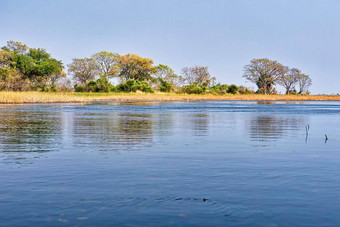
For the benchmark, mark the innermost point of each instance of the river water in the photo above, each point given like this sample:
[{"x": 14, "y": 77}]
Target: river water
[{"x": 165, "y": 164}]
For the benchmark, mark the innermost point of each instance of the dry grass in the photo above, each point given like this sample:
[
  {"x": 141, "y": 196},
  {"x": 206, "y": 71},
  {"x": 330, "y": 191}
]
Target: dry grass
[
  {"x": 41, "y": 97},
  {"x": 38, "y": 97}
]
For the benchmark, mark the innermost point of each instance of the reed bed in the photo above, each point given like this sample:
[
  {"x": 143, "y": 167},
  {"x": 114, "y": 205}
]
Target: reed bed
[
  {"x": 38, "y": 97},
  {"x": 71, "y": 97}
]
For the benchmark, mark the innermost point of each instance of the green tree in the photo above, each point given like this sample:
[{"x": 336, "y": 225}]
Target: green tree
[
  {"x": 165, "y": 86},
  {"x": 35, "y": 65},
  {"x": 106, "y": 64},
  {"x": 167, "y": 74},
  {"x": 233, "y": 89},
  {"x": 16, "y": 47},
  {"x": 264, "y": 73},
  {"x": 132, "y": 66},
  {"x": 83, "y": 70}
]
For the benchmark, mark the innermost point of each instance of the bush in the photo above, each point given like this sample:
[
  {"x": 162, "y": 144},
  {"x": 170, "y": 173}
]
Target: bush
[
  {"x": 134, "y": 85},
  {"x": 51, "y": 88},
  {"x": 220, "y": 89},
  {"x": 91, "y": 86},
  {"x": 245, "y": 90},
  {"x": 79, "y": 88},
  {"x": 112, "y": 88},
  {"x": 165, "y": 86},
  {"x": 193, "y": 88},
  {"x": 233, "y": 89}
]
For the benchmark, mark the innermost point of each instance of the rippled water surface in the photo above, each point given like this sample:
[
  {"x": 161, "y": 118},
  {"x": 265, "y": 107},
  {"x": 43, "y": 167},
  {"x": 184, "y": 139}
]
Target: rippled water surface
[{"x": 165, "y": 164}]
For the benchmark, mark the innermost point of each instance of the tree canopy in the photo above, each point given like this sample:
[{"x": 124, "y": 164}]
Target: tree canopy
[
  {"x": 132, "y": 66},
  {"x": 83, "y": 69},
  {"x": 106, "y": 64},
  {"x": 264, "y": 73},
  {"x": 32, "y": 68},
  {"x": 25, "y": 68}
]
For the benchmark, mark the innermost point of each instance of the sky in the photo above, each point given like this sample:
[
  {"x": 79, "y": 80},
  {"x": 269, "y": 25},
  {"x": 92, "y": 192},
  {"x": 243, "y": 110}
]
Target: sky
[{"x": 224, "y": 35}]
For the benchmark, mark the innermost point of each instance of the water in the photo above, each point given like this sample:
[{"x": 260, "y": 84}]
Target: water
[{"x": 153, "y": 164}]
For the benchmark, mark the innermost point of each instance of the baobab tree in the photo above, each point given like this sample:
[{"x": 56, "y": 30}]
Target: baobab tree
[
  {"x": 289, "y": 79},
  {"x": 264, "y": 73},
  {"x": 304, "y": 82}
]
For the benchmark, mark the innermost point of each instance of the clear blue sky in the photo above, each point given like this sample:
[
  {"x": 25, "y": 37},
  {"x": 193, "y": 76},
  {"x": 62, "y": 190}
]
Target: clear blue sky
[{"x": 223, "y": 35}]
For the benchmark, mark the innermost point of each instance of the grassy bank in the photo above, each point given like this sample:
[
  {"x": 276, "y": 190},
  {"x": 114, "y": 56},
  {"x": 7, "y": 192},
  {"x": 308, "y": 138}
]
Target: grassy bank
[{"x": 58, "y": 97}]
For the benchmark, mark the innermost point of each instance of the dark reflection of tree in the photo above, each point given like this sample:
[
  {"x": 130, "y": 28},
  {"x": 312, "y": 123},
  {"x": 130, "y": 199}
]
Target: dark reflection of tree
[
  {"x": 199, "y": 123},
  {"x": 23, "y": 131},
  {"x": 113, "y": 131},
  {"x": 163, "y": 124},
  {"x": 271, "y": 128}
]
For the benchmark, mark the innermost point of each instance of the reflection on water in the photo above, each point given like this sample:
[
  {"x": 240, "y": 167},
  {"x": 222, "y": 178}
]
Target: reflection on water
[
  {"x": 199, "y": 123},
  {"x": 124, "y": 130},
  {"x": 190, "y": 164},
  {"x": 272, "y": 127},
  {"x": 29, "y": 131}
]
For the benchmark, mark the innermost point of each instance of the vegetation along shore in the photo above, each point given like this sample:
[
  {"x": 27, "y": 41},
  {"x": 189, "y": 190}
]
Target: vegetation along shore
[
  {"x": 74, "y": 97},
  {"x": 31, "y": 75}
]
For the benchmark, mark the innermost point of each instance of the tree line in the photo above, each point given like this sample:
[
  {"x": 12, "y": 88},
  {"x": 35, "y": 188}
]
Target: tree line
[{"x": 23, "y": 68}]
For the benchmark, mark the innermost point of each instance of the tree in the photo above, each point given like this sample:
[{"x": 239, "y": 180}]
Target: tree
[
  {"x": 197, "y": 74},
  {"x": 11, "y": 78},
  {"x": 163, "y": 71},
  {"x": 5, "y": 58},
  {"x": 16, "y": 47},
  {"x": 106, "y": 63},
  {"x": 264, "y": 73},
  {"x": 304, "y": 82},
  {"x": 233, "y": 89},
  {"x": 132, "y": 66},
  {"x": 167, "y": 74},
  {"x": 289, "y": 79},
  {"x": 83, "y": 69}
]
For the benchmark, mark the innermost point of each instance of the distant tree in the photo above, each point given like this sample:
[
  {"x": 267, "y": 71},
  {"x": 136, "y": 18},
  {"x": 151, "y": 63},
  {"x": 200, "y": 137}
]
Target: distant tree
[
  {"x": 38, "y": 54},
  {"x": 5, "y": 58},
  {"x": 264, "y": 73},
  {"x": 132, "y": 66},
  {"x": 11, "y": 79},
  {"x": 165, "y": 86},
  {"x": 165, "y": 75},
  {"x": 63, "y": 84},
  {"x": 106, "y": 63},
  {"x": 35, "y": 65},
  {"x": 289, "y": 79},
  {"x": 233, "y": 89},
  {"x": 197, "y": 74},
  {"x": 83, "y": 70},
  {"x": 46, "y": 70},
  {"x": 245, "y": 90},
  {"x": 219, "y": 89},
  {"x": 163, "y": 71},
  {"x": 16, "y": 47},
  {"x": 304, "y": 82}
]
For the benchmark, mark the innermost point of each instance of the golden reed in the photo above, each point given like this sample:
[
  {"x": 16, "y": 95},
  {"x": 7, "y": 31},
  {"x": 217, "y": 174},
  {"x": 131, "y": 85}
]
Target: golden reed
[{"x": 72, "y": 97}]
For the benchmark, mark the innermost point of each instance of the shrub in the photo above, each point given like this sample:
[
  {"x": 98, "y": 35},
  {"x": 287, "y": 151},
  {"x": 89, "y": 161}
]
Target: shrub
[
  {"x": 112, "y": 88},
  {"x": 292, "y": 92},
  {"x": 245, "y": 90},
  {"x": 79, "y": 88},
  {"x": 165, "y": 86},
  {"x": 193, "y": 88},
  {"x": 134, "y": 85},
  {"x": 219, "y": 89},
  {"x": 233, "y": 89},
  {"x": 91, "y": 86}
]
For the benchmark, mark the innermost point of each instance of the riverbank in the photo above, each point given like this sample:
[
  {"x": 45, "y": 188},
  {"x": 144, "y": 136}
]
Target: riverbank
[{"x": 72, "y": 97}]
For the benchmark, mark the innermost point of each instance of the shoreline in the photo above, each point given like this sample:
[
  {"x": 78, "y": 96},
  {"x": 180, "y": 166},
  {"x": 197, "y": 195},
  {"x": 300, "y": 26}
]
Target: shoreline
[{"x": 73, "y": 97}]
